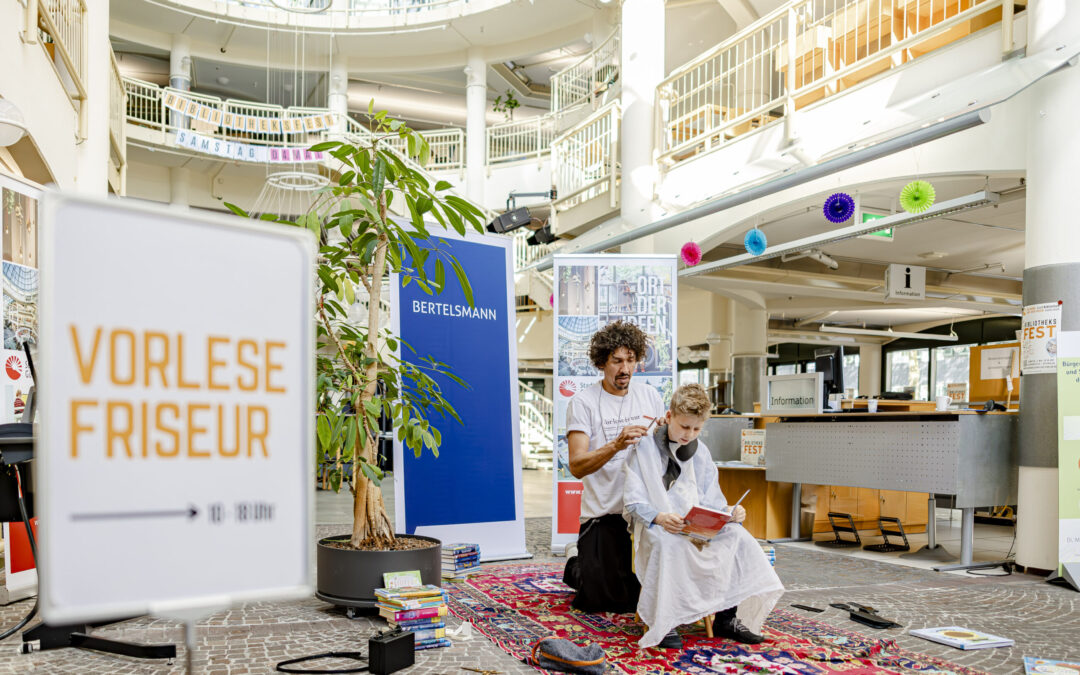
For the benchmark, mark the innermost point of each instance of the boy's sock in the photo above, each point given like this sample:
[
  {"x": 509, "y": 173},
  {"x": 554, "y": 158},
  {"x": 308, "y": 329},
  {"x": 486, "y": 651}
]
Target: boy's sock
[
  {"x": 727, "y": 625},
  {"x": 671, "y": 641}
]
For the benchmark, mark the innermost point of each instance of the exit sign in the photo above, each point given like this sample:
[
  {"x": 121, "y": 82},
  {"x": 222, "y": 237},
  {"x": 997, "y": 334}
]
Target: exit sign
[{"x": 880, "y": 235}]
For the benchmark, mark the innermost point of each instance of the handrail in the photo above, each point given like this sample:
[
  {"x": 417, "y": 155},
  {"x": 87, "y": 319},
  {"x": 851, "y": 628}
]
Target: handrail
[
  {"x": 64, "y": 21},
  {"x": 447, "y": 148},
  {"x": 584, "y": 159},
  {"x": 592, "y": 74},
  {"x": 526, "y": 254},
  {"x": 118, "y": 104},
  {"x": 802, "y": 52},
  {"x": 521, "y": 139}
]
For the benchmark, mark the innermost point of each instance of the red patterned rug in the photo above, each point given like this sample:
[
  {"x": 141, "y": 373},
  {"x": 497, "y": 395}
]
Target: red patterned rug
[{"x": 515, "y": 605}]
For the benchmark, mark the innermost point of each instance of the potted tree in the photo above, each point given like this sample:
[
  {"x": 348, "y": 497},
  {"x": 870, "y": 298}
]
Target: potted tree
[{"x": 360, "y": 379}]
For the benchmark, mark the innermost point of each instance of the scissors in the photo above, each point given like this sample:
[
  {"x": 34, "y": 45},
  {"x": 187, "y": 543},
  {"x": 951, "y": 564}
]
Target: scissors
[{"x": 483, "y": 672}]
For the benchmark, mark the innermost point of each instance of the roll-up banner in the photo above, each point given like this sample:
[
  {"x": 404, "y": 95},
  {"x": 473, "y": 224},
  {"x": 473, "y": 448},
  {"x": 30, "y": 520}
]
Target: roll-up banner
[
  {"x": 471, "y": 492},
  {"x": 1068, "y": 405},
  {"x": 592, "y": 291}
]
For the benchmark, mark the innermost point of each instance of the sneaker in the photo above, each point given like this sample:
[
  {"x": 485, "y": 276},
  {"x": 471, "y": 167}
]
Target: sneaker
[
  {"x": 671, "y": 641},
  {"x": 733, "y": 629}
]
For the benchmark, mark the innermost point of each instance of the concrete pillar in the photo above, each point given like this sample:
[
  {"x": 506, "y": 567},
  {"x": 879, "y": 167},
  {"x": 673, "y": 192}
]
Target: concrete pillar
[
  {"x": 721, "y": 342},
  {"x": 179, "y": 74},
  {"x": 749, "y": 355},
  {"x": 92, "y": 155},
  {"x": 869, "y": 369},
  {"x": 337, "y": 96},
  {"x": 641, "y": 71},
  {"x": 179, "y": 187},
  {"x": 475, "y": 125},
  {"x": 1052, "y": 272}
]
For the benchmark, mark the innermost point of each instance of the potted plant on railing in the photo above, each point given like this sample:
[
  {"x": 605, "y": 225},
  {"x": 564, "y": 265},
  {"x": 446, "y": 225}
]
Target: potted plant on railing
[
  {"x": 360, "y": 379},
  {"x": 506, "y": 105}
]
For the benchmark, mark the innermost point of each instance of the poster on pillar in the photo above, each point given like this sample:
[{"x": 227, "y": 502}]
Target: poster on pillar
[
  {"x": 590, "y": 292},
  {"x": 1068, "y": 405},
  {"x": 472, "y": 490}
]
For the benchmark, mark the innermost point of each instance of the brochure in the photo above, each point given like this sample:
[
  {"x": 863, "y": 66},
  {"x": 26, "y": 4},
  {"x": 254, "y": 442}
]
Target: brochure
[
  {"x": 394, "y": 580},
  {"x": 961, "y": 638},
  {"x": 1041, "y": 666}
]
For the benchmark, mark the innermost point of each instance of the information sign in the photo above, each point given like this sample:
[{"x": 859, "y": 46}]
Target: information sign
[
  {"x": 880, "y": 235},
  {"x": 793, "y": 394},
  {"x": 176, "y": 368}
]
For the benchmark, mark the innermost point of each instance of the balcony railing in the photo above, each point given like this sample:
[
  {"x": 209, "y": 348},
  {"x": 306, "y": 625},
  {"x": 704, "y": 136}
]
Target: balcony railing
[
  {"x": 447, "y": 148},
  {"x": 62, "y": 24},
  {"x": 524, "y": 254},
  {"x": 523, "y": 139},
  {"x": 804, "y": 52},
  {"x": 334, "y": 16},
  {"x": 117, "y": 128},
  {"x": 583, "y": 159},
  {"x": 588, "y": 79}
]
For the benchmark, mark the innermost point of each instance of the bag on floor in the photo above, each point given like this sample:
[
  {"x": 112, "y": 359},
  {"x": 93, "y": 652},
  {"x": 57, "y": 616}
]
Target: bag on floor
[{"x": 552, "y": 653}]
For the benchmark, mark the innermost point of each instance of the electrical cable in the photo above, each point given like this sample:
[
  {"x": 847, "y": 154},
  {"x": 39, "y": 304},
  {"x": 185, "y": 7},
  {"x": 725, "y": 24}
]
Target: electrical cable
[
  {"x": 357, "y": 656},
  {"x": 33, "y": 551}
]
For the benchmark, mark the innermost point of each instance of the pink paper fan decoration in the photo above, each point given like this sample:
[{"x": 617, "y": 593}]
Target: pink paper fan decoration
[
  {"x": 691, "y": 253},
  {"x": 551, "y": 299}
]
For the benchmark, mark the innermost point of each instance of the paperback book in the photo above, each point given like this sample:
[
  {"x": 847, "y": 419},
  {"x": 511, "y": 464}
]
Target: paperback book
[
  {"x": 1038, "y": 666},
  {"x": 394, "y": 614},
  {"x": 703, "y": 523},
  {"x": 962, "y": 638},
  {"x": 432, "y": 644}
]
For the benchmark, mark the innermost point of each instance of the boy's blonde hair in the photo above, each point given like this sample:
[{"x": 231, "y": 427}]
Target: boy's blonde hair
[{"x": 691, "y": 399}]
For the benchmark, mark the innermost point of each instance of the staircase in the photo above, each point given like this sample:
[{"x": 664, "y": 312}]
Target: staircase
[{"x": 536, "y": 424}]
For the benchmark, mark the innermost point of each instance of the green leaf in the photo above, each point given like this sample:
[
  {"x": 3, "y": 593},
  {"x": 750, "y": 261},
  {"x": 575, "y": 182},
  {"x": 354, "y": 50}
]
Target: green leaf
[
  {"x": 455, "y": 220},
  {"x": 425, "y": 152},
  {"x": 440, "y": 275},
  {"x": 370, "y": 473},
  {"x": 371, "y": 106},
  {"x": 327, "y": 277},
  {"x": 237, "y": 210},
  {"x": 350, "y": 292},
  {"x": 325, "y": 145},
  {"x": 322, "y": 427},
  {"x": 411, "y": 143},
  {"x": 442, "y": 185},
  {"x": 345, "y": 225},
  {"x": 466, "y": 288},
  {"x": 423, "y": 204},
  {"x": 346, "y": 177},
  {"x": 378, "y": 175}
]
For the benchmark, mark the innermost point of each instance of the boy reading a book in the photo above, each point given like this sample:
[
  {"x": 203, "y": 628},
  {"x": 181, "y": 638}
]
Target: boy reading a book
[{"x": 682, "y": 579}]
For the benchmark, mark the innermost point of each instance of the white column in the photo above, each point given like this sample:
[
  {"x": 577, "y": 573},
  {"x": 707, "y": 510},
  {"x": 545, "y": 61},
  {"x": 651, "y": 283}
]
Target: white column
[
  {"x": 721, "y": 341},
  {"x": 179, "y": 187},
  {"x": 337, "y": 97},
  {"x": 475, "y": 125},
  {"x": 749, "y": 354},
  {"x": 869, "y": 369},
  {"x": 641, "y": 71},
  {"x": 179, "y": 74},
  {"x": 92, "y": 172},
  {"x": 1052, "y": 267}
]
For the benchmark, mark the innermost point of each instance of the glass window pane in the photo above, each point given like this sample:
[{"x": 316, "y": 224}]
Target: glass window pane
[
  {"x": 908, "y": 370},
  {"x": 950, "y": 367},
  {"x": 851, "y": 372},
  {"x": 811, "y": 367},
  {"x": 786, "y": 369}
]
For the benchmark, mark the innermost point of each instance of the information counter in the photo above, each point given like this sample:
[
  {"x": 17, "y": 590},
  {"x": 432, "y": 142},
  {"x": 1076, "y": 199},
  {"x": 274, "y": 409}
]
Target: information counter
[{"x": 970, "y": 455}]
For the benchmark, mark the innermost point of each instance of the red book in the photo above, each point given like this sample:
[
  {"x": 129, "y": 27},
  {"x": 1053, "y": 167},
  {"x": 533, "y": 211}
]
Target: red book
[
  {"x": 409, "y": 614},
  {"x": 702, "y": 523}
]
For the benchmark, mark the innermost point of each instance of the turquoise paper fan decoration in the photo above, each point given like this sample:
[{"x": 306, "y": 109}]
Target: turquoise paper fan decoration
[
  {"x": 917, "y": 196},
  {"x": 755, "y": 242}
]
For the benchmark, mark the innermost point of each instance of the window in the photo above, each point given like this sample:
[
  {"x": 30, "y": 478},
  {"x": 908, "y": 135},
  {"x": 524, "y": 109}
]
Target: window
[
  {"x": 692, "y": 376},
  {"x": 787, "y": 369},
  {"x": 950, "y": 367},
  {"x": 809, "y": 367},
  {"x": 851, "y": 372},
  {"x": 908, "y": 370}
]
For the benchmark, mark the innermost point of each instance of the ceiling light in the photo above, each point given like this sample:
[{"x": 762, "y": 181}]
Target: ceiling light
[
  {"x": 932, "y": 255},
  {"x": 951, "y": 337},
  {"x": 222, "y": 80},
  {"x": 12, "y": 124}
]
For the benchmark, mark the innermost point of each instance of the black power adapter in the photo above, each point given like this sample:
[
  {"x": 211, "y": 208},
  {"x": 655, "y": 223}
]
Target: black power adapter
[{"x": 390, "y": 651}]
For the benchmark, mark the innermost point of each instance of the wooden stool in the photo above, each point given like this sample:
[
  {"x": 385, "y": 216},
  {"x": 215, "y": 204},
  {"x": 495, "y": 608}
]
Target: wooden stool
[{"x": 707, "y": 620}]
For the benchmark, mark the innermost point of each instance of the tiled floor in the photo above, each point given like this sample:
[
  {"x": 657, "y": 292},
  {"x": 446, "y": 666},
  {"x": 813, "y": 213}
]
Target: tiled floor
[{"x": 1043, "y": 619}]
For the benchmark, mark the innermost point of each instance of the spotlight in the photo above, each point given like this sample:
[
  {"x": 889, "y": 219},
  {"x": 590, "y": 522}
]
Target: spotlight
[
  {"x": 509, "y": 221},
  {"x": 542, "y": 236}
]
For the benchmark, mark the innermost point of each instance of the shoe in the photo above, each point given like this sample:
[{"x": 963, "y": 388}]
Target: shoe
[
  {"x": 671, "y": 641},
  {"x": 733, "y": 629}
]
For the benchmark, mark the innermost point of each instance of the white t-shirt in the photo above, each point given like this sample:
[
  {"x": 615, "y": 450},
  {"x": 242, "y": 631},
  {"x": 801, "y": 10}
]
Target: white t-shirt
[{"x": 601, "y": 416}]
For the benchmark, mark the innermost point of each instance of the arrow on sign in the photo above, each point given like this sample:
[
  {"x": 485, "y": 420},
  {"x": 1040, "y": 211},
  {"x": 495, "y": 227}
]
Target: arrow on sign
[{"x": 190, "y": 512}]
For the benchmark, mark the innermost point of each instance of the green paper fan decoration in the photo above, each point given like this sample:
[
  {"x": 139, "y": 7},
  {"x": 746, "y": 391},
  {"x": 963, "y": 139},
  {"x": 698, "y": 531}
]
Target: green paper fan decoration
[{"x": 917, "y": 196}]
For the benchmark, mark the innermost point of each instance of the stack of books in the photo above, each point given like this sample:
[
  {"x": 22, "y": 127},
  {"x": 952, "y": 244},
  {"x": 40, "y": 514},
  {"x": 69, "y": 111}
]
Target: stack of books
[
  {"x": 770, "y": 553},
  {"x": 460, "y": 560},
  {"x": 421, "y": 610}
]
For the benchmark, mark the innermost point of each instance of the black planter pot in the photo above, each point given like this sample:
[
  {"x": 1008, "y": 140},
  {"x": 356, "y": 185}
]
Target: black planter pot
[{"x": 348, "y": 578}]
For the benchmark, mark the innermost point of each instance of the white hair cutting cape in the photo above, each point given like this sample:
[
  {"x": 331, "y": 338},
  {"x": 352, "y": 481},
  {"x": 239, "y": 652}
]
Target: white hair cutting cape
[{"x": 679, "y": 583}]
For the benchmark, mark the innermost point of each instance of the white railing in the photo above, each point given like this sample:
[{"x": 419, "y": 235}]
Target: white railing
[
  {"x": 588, "y": 79},
  {"x": 801, "y": 53},
  {"x": 117, "y": 128},
  {"x": 537, "y": 417},
  {"x": 523, "y": 139},
  {"x": 63, "y": 23},
  {"x": 447, "y": 148},
  {"x": 524, "y": 254},
  {"x": 360, "y": 7},
  {"x": 583, "y": 159}
]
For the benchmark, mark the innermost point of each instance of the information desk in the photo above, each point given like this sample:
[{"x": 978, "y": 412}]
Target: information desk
[{"x": 970, "y": 455}]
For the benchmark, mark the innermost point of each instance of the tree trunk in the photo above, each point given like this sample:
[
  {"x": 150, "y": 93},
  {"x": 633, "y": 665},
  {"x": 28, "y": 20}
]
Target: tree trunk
[{"x": 371, "y": 525}]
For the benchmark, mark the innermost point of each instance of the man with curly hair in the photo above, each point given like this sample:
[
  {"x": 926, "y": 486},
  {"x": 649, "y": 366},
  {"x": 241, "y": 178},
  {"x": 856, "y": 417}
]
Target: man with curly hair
[{"x": 602, "y": 422}]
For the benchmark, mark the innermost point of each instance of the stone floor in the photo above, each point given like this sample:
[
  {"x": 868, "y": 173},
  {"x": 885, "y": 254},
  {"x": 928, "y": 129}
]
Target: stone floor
[{"x": 1043, "y": 619}]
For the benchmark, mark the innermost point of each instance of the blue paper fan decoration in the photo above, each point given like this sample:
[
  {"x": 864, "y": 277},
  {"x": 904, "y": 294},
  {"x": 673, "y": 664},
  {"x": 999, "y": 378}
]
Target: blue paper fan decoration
[
  {"x": 755, "y": 242},
  {"x": 839, "y": 207}
]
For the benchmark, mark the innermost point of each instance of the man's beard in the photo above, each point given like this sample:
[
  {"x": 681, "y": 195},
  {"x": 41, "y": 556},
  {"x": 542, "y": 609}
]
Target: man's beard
[{"x": 622, "y": 383}]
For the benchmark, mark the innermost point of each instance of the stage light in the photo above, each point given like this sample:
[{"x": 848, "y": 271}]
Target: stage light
[
  {"x": 542, "y": 236},
  {"x": 509, "y": 221}
]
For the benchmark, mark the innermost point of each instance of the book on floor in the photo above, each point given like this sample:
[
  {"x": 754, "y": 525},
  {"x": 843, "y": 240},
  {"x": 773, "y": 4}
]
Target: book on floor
[
  {"x": 409, "y": 624},
  {"x": 961, "y": 638},
  {"x": 395, "y": 614},
  {"x": 703, "y": 523},
  {"x": 405, "y": 579},
  {"x": 428, "y": 634},
  {"x": 452, "y": 550},
  {"x": 432, "y": 644},
  {"x": 1040, "y": 666}
]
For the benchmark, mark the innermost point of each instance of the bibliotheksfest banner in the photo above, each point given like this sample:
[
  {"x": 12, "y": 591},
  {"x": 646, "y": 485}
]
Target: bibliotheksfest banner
[
  {"x": 592, "y": 291},
  {"x": 249, "y": 123},
  {"x": 471, "y": 492}
]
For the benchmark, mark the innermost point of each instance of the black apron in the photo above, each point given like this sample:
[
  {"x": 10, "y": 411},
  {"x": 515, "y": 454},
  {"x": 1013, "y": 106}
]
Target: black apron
[{"x": 602, "y": 571}]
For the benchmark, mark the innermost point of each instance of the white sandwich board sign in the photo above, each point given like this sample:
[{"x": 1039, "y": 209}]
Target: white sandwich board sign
[{"x": 175, "y": 370}]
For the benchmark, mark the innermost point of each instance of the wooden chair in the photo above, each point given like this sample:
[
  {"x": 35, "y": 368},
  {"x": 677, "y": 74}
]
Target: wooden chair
[{"x": 708, "y": 621}]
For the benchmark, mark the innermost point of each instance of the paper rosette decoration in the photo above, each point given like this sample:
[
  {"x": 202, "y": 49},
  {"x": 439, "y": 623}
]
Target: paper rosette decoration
[
  {"x": 691, "y": 253},
  {"x": 917, "y": 196},
  {"x": 839, "y": 207},
  {"x": 755, "y": 242}
]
